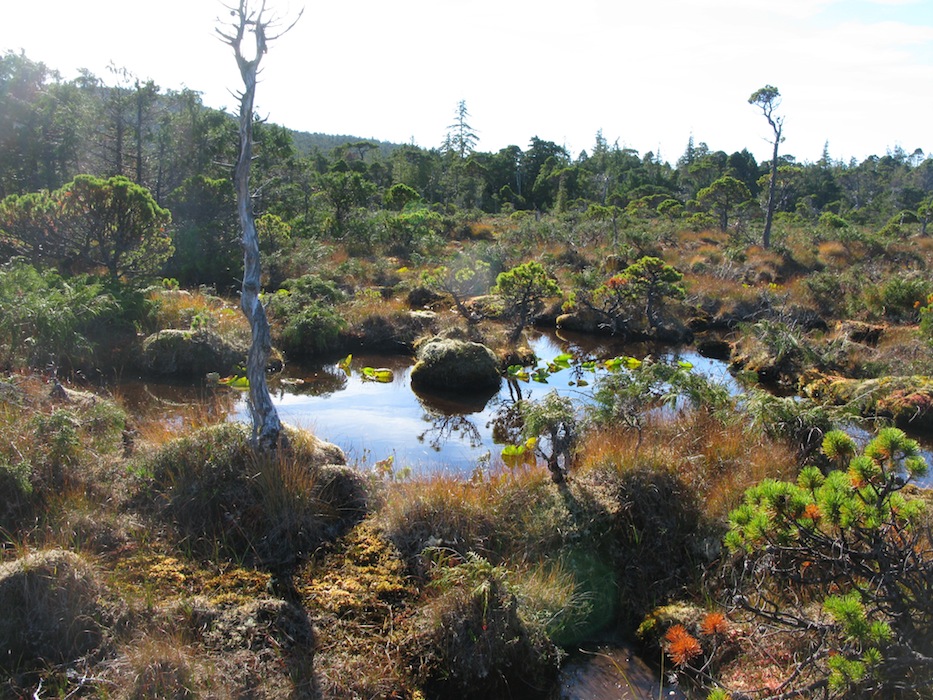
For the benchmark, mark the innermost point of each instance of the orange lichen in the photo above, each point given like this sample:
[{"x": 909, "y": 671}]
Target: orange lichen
[{"x": 812, "y": 512}]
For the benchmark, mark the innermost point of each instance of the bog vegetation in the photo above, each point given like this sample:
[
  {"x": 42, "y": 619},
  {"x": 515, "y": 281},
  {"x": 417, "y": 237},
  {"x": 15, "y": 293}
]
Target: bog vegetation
[{"x": 745, "y": 542}]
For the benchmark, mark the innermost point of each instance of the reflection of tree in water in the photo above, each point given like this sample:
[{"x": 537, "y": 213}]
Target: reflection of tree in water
[
  {"x": 444, "y": 428},
  {"x": 325, "y": 381},
  {"x": 507, "y": 421},
  {"x": 448, "y": 415}
]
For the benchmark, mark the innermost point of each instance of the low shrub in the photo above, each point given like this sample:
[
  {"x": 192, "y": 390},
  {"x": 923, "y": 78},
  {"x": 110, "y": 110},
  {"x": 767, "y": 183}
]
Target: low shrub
[
  {"x": 842, "y": 563},
  {"x": 304, "y": 315},
  {"x": 46, "y": 319}
]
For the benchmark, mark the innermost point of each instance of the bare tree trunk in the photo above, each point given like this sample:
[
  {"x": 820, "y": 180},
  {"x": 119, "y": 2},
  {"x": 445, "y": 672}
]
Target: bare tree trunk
[
  {"x": 265, "y": 418},
  {"x": 772, "y": 185}
]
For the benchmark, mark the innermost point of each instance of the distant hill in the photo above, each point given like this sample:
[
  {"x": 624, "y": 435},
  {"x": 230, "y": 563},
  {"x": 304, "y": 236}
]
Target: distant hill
[{"x": 308, "y": 143}]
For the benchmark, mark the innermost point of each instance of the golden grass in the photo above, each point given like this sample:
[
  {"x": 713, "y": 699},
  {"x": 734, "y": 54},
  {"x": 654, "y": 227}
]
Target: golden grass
[
  {"x": 702, "y": 239},
  {"x": 370, "y": 303},
  {"x": 719, "y": 461},
  {"x": 834, "y": 254},
  {"x": 179, "y": 309}
]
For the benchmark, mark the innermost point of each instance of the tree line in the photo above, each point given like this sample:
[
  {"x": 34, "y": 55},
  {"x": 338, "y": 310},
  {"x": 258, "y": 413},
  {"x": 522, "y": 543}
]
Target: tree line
[{"x": 128, "y": 134}]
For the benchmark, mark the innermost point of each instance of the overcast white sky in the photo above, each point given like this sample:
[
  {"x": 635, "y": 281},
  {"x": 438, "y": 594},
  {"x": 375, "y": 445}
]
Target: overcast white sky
[{"x": 855, "y": 73}]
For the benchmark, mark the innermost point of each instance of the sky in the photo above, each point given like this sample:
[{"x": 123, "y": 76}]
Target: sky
[{"x": 651, "y": 74}]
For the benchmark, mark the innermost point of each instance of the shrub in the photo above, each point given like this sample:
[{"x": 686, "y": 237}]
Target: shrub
[
  {"x": 523, "y": 290},
  {"x": 899, "y": 297},
  {"x": 304, "y": 311},
  {"x": 553, "y": 418},
  {"x": 852, "y": 540},
  {"x": 45, "y": 319},
  {"x": 832, "y": 222}
]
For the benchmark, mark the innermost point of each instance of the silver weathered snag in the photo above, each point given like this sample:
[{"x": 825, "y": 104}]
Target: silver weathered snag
[{"x": 250, "y": 26}]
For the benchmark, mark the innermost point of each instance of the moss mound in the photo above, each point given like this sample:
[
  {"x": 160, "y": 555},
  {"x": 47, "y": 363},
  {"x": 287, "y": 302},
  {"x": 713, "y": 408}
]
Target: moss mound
[
  {"x": 180, "y": 353},
  {"x": 471, "y": 643},
  {"x": 267, "y": 510},
  {"x": 455, "y": 365},
  {"x": 52, "y": 610}
]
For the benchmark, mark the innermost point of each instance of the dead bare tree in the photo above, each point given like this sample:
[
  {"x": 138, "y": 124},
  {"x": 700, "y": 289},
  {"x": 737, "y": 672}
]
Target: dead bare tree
[{"x": 252, "y": 26}]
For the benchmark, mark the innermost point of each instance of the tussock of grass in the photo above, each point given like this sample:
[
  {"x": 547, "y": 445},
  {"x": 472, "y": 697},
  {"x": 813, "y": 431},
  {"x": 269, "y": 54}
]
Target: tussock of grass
[
  {"x": 717, "y": 459},
  {"x": 53, "y": 611},
  {"x": 155, "y": 668},
  {"x": 440, "y": 511},
  {"x": 471, "y": 642},
  {"x": 221, "y": 497}
]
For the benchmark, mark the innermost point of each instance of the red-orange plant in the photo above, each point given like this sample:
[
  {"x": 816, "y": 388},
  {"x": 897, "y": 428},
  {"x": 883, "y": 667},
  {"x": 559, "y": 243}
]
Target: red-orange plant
[
  {"x": 682, "y": 646},
  {"x": 714, "y": 623}
]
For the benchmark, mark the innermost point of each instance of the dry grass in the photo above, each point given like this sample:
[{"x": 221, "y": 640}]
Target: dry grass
[
  {"x": 53, "y": 610},
  {"x": 156, "y": 667},
  {"x": 221, "y": 498},
  {"x": 370, "y": 302},
  {"x": 719, "y": 460},
  {"x": 185, "y": 309},
  {"x": 440, "y": 511},
  {"x": 834, "y": 255}
]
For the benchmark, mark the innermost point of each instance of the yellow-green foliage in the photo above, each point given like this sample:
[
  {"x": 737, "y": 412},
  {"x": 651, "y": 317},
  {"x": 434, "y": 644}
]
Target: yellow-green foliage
[{"x": 365, "y": 579}]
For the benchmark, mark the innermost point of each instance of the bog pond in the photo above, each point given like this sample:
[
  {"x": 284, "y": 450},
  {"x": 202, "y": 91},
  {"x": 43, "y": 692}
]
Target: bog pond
[
  {"x": 374, "y": 421},
  {"x": 391, "y": 423}
]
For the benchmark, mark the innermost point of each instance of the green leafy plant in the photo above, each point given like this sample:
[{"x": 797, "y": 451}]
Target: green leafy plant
[
  {"x": 523, "y": 289},
  {"x": 852, "y": 539},
  {"x": 45, "y": 318}
]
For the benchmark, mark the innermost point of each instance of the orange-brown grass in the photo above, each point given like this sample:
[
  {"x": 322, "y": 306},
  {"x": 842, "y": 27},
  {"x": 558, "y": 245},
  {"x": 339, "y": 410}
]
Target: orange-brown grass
[
  {"x": 834, "y": 254},
  {"x": 698, "y": 239},
  {"x": 179, "y": 309},
  {"x": 923, "y": 245},
  {"x": 513, "y": 513},
  {"x": 729, "y": 289},
  {"x": 338, "y": 256},
  {"x": 369, "y": 302},
  {"x": 438, "y": 511},
  {"x": 718, "y": 460},
  {"x": 766, "y": 265}
]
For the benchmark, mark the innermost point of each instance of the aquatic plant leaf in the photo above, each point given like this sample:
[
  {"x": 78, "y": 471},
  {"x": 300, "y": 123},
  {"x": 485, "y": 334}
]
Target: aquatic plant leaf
[
  {"x": 378, "y": 374},
  {"x": 344, "y": 364}
]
